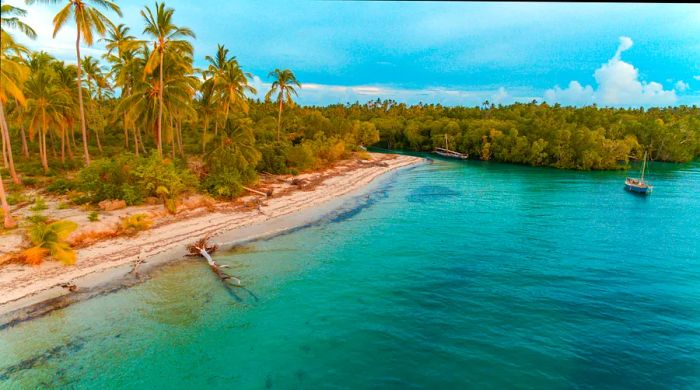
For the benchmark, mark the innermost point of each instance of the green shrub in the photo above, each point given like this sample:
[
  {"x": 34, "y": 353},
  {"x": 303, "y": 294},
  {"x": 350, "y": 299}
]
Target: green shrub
[
  {"x": 61, "y": 186},
  {"x": 273, "y": 158},
  {"x": 231, "y": 165},
  {"x": 39, "y": 204},
  {"x": 110, "y": 179},
  {"x": 93, "y": 216},
  {"x": 163, "y": 178},
  {"x": 135, "y": 223}
]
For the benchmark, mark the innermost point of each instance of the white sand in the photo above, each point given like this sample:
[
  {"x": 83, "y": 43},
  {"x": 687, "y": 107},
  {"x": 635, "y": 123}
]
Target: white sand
[{"x": 22, "y": 286}]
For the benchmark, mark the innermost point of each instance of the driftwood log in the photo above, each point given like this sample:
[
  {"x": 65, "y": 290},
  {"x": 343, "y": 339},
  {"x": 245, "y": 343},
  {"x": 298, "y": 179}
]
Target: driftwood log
[{"x": 203, "y": 248}]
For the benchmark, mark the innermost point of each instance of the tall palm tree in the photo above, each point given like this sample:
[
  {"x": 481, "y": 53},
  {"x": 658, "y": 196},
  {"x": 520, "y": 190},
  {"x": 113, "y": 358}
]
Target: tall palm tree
[
  {"x": 283, "y": 87},
  {"x": 88, "y": 20},
  {"x": 121, "y": 53},
  {"x": 166, "y": 36},
  {"x": 47, "y": 104},
  {"x": 12, "y": 73}
]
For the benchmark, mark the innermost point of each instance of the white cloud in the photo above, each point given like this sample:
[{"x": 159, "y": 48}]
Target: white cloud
[
  {"x": 322, "y": 94},
  {"x": 618, "y": 84},
  {"x": 681, "y": 86},
  {"x": 697, "y": 77},
  {"x": 575, "y": 94},
  {"x": 40, "y": 18}
]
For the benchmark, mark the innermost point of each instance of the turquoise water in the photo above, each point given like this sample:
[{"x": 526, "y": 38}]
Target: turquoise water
[{"x": 450, "y": 275}]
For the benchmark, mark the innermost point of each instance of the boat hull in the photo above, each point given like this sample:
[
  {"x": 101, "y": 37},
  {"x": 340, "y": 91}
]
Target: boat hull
[{"x": 644, "y": 190}]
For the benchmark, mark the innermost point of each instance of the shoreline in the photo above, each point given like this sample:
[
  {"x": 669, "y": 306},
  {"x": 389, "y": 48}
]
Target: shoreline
[{"x": 108, "y": 265}]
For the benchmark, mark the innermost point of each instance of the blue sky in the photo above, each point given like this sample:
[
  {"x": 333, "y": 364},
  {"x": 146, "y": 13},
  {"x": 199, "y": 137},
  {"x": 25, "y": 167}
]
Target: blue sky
[{"x": 450, "y": 53}]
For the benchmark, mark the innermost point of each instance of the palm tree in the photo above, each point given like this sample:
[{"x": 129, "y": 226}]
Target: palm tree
[
  {"x": 47, "y": 102},
  {"x": 283, "y": 86},
  {"x": 89, "y": 20},
  {"x": 9, "y": 223},
  {"x": 166, "y": 36},
  {"x": 9, "y": 18},
  {"x": 50, "y": 239},
  {"x": 123, "y": 70},
  {"x": 13, "y": 74}
]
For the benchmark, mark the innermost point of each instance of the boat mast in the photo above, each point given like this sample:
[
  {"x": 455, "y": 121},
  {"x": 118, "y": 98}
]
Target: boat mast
[{"x": 644, "y": 165}]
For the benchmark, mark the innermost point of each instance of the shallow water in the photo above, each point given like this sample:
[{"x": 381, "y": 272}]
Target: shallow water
[{"x": 450, "y": 275}]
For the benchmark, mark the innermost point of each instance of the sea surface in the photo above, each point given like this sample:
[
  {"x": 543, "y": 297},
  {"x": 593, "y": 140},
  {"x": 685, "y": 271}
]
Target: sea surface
[{"x": 446, "y": 275}]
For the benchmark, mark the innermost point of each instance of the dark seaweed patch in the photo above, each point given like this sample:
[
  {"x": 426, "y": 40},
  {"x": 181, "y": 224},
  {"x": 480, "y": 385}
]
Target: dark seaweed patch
[{"x": 430, "y": 193}]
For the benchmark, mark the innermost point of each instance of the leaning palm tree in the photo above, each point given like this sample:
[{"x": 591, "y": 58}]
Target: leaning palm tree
[
  {"x": 12, "y": 72},
  {"x": 8, "y": 223},
  {"x": 283, "y": 86},
  {"x": 166, "y": 36},
  {"x": 88, "y": 20},
  {"x": 10, "y": 18}
]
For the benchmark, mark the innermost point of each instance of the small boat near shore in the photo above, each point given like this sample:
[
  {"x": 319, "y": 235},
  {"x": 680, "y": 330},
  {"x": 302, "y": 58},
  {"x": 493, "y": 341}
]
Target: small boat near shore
[
  {"x": 638, "y": 185},
  {"x": 446, "y": 152}
]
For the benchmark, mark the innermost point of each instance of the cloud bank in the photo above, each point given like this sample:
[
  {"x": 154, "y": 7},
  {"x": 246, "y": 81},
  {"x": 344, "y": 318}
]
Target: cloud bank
[{"x": 618, "y": 84}]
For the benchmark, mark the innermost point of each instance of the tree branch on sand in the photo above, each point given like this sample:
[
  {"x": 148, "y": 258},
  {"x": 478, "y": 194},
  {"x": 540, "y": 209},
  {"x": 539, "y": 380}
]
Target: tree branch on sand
[{"x": 202, "y": 248}]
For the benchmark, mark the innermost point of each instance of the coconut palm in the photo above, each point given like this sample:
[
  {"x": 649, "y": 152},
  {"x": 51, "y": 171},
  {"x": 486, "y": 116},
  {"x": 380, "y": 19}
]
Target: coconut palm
[
  {"x": 12, "y": 73},
  {"x": 121, "y": 54},
  {"x": 50, "y": 239},
  {"x": 283, "y": 87},
  {"x": 89, "y": 21},
  {"x": 166, "y": 36},
  {"x": 10, "y": 19},
  {"x": 47, "y": 103},
  {"x": 232, "y": 86}
]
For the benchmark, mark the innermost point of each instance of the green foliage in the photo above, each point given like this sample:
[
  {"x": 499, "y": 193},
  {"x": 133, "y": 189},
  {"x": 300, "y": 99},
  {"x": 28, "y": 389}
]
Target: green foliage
[
  {"x": 50, "y": 238},
  {"x": 135, "y": 223},
  {"x": 39, "y": 204},
  {"x": 163, "y": 178},
  {"x": 111, "y": 178},
  {"x": 232, "y": 164},
  {"x": 132, "y": 179},
  {"x": 61, "y": 186},
  {"x": 93, "y": 216}
]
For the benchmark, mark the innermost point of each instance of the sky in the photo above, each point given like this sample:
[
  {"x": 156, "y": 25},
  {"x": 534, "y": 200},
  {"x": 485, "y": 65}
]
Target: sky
[{"x": 620, "y": 55}]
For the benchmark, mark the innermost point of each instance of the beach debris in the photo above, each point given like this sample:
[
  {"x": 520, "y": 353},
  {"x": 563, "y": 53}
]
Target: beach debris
[
  {"x": 70, "y": 286},
  {"x": 110, "y": 205},
  {"x": 202, "y": 248},
  {"x": 267, "y": 193}
]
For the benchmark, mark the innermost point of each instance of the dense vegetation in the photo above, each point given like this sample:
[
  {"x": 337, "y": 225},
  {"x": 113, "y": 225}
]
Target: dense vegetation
[
  {"x": 535, "y": 134},
  {"x": 144, "y": 122}
]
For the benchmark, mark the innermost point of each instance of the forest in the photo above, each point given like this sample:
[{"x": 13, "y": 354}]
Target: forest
[{"x": 143, "y": 121}]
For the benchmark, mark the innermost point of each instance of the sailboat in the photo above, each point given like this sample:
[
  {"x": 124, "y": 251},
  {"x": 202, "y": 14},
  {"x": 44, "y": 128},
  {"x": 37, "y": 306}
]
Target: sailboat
[
  {"x": 446, "y": 152},
  {"x": 638, "y": 185}
]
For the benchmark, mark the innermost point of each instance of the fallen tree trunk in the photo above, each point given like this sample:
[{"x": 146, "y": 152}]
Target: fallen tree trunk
[
  {"x": 265, "y": 194},
  {"x": 202, "y": 248}
]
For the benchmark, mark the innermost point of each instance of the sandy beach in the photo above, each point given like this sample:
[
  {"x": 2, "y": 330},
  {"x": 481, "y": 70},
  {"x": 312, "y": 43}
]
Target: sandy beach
[{"x": 226, "y": 224}]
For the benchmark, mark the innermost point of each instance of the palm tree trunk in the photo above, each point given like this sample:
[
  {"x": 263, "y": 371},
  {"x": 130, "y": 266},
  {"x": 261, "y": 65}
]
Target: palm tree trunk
[
  {"x": 99, "y": 145},
  {"x": 68, "y": 146},
  {"x": 179, "y": 138},
  {"x": 160, "y": 105},
  {"x": 83, "y": 127},
  {"x": 5, "y": 162},
  {"x": 42, "y": 143},
  {"x": 53, "y": 145},
  {"x": 279, "y": 121},
  {"x": 63, "y": 145},
  {"x": 136, "y": 141},
  {"x": 9, "y": 223},
  {"x": 204, "y": 133},
  {"x": 126, "y": 134},
  {"x": 25, "y": 148}
]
